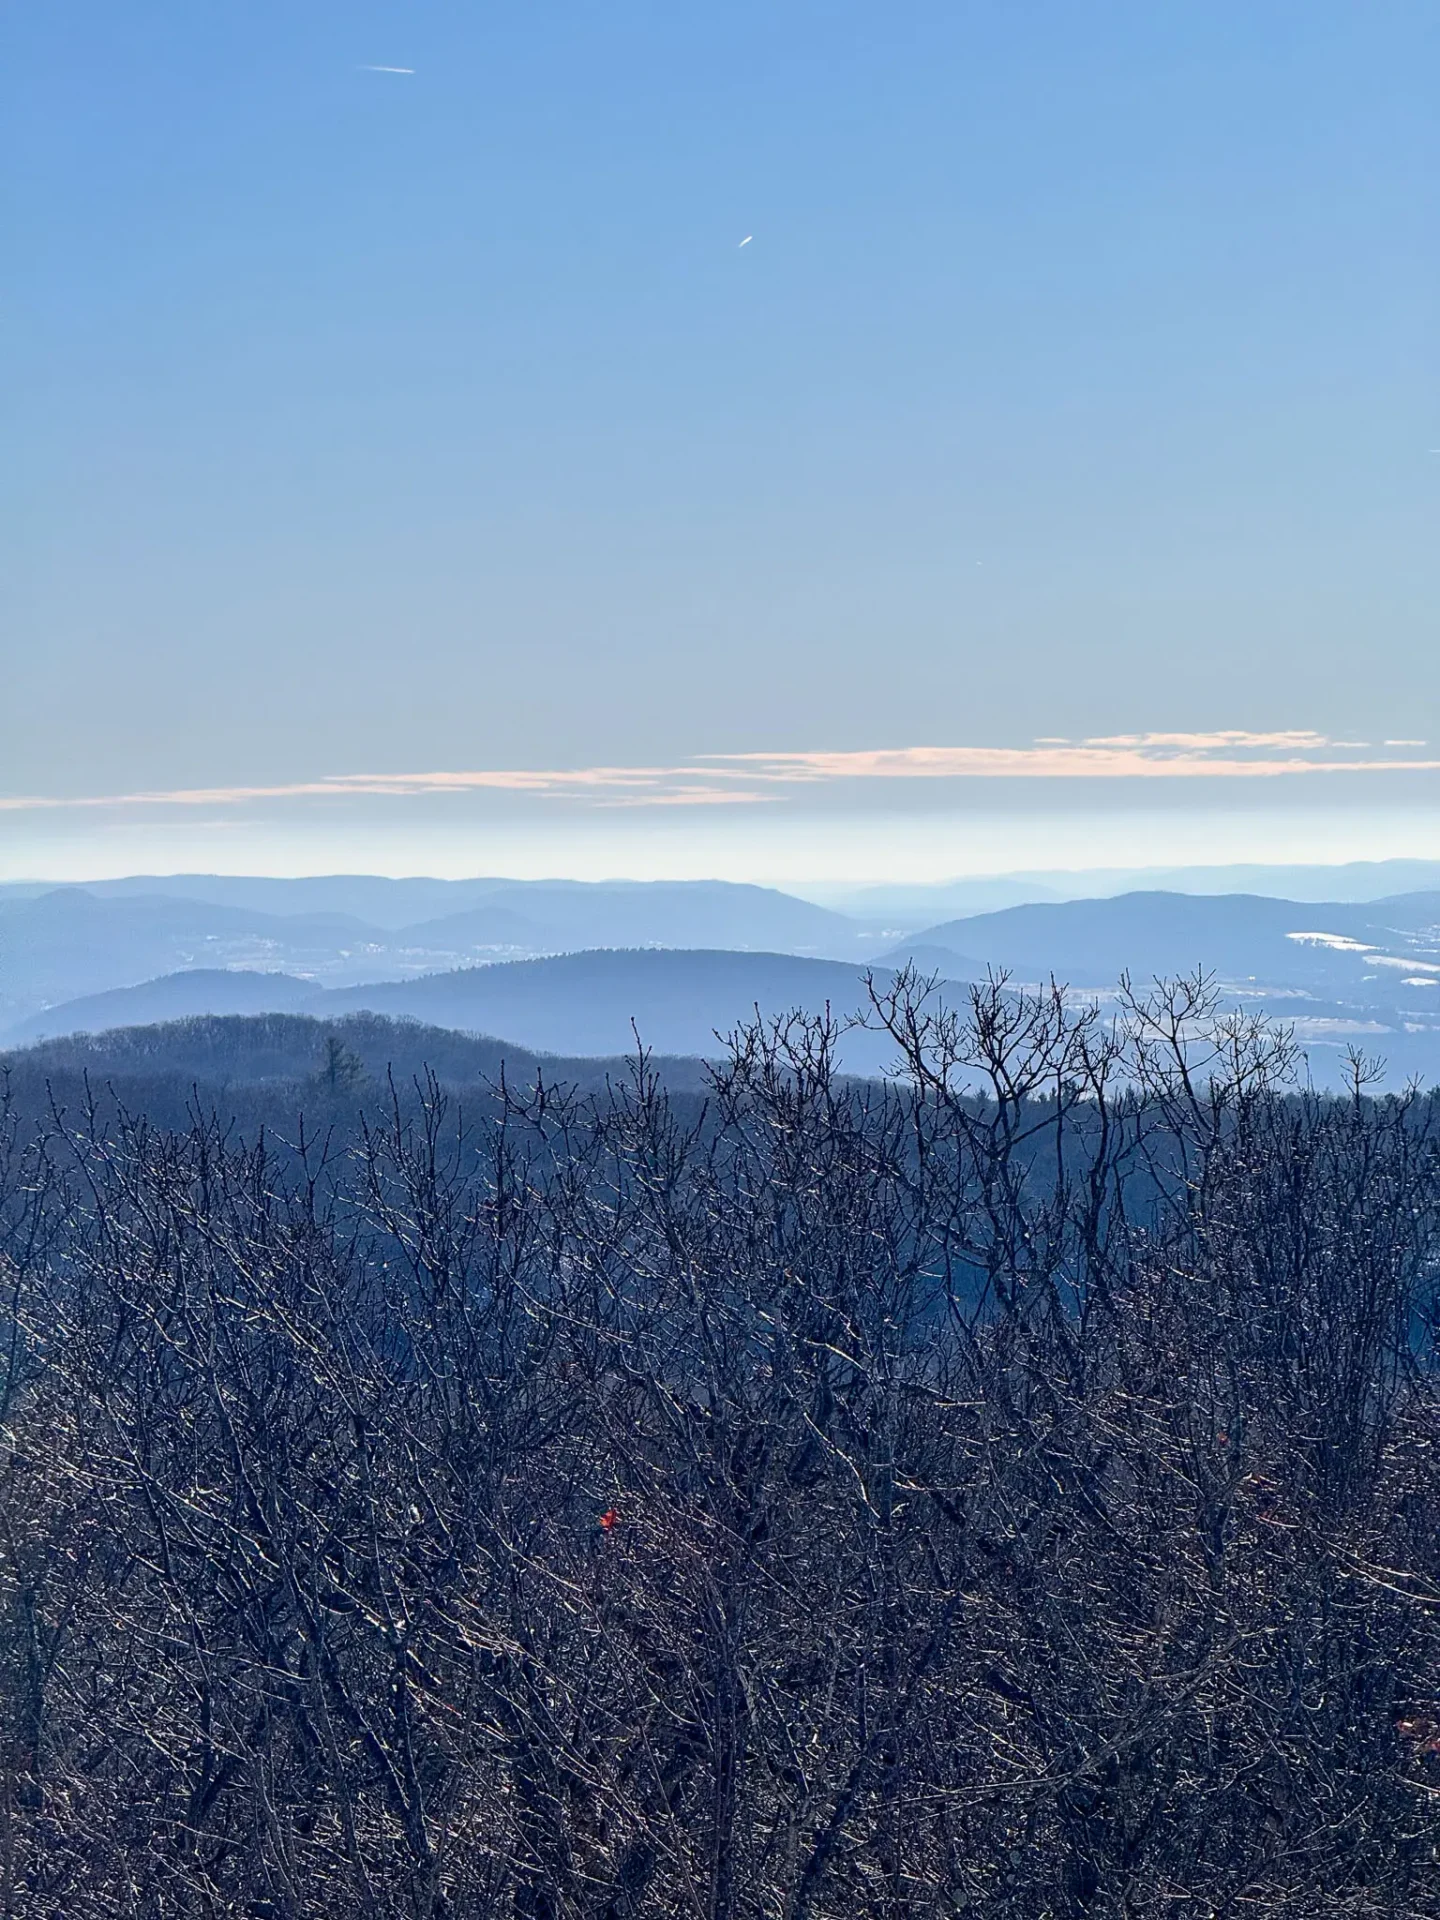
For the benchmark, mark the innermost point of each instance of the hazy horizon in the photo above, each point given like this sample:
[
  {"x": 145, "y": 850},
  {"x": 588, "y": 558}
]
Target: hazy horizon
[{"x": 842, "y": 850}]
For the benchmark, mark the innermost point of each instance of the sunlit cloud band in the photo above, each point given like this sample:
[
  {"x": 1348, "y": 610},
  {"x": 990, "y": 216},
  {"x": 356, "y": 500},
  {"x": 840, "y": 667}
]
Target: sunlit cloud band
[{"x": 739, "y": 779}]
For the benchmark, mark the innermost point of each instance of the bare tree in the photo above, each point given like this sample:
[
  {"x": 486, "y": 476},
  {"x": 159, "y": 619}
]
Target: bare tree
[{"x": 1009, "y": 1490}]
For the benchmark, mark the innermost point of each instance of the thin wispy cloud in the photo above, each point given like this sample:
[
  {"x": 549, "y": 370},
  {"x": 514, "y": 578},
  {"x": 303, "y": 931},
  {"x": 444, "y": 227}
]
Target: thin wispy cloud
[
  {"x": 365, "y": 68},
  {"x": 739, "y": 779},
  {"x": 1227, "y": 755}
]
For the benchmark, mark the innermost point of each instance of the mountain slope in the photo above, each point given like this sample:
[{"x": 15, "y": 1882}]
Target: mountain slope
[
  {"x": 585, "y": 1003},
  {"x": 573, "y": 1004},
  {"x": 700, "y": 913},
  {"x": 1341, "y": 974},
  {"x": 1246, "y": 939},
  {"x": 173, "y": 996},
  {"x": 66, "y": 943}
]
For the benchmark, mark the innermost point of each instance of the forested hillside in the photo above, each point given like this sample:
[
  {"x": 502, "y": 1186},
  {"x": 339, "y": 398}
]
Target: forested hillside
[
  {"x": 269, "y": 1070},
  {"x": 1011, "y": 1490}
]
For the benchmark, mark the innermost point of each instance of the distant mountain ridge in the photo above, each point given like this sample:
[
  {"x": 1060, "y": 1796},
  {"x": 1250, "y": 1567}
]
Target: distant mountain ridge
[
  {"x": 1341, "y": 972},
  {"x": 72, "y": 942},
  {"x": 925, "y": 903},
  {"x": 1246, "y": 939},
  {"x": 683, "y": 907}
]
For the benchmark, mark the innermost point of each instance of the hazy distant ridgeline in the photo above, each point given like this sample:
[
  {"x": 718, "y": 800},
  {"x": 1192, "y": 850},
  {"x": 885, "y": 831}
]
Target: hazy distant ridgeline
[
  {"x": 1247, "y": 940},
  {"x": 66, "y": 944},
  {"x": 70, "y": 942},
  {"x": 390, "y": 904},
  {"x": 1344, "y": 973},
  {"x": 927, "y": 904},
  {"x": 686, "y": 912}
]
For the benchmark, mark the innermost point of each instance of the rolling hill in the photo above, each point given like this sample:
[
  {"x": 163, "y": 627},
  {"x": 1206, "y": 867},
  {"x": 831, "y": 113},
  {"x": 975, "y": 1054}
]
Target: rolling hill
[{"x": 570, "y": 1004}]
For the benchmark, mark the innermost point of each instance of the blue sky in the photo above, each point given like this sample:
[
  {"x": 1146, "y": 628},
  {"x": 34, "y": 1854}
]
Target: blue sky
[{"x": 1079, "y": 380}]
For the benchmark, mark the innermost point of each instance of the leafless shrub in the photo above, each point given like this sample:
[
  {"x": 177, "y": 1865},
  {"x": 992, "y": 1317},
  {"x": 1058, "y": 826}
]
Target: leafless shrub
[{"x": 1009, "y": 1491}]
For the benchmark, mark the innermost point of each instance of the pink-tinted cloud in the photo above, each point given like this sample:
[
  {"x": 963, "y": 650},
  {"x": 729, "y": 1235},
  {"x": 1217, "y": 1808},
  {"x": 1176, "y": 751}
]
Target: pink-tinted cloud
[
  {"x": 1126, "y": 756},
  {"x": 748, "y": 778}
]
